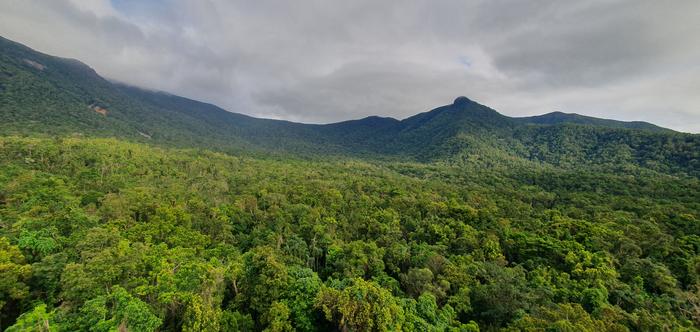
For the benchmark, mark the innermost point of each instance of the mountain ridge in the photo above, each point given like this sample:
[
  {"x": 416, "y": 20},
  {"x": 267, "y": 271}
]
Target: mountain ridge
[
  {"x": 56, "y": 96},
  {"x": 459, "y": 101},
  {"x": 562, "y": 117}
]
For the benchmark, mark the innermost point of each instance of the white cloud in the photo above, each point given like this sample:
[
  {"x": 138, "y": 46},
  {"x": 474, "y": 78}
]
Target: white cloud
[{"x": 101, "y": 8}]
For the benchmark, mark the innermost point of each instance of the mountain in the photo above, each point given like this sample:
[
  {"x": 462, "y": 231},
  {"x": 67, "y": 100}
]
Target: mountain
[
  {"x": 43, "y": 94},
  {"x": 561, "y": 117}
]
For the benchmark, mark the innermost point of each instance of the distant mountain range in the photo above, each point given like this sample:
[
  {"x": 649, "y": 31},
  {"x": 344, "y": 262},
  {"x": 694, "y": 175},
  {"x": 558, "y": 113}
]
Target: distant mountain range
[{"x": 42, "y": 94}]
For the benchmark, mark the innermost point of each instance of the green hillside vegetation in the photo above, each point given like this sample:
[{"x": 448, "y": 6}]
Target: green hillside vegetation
[
  {"x": 123, "y": 209},
  {"x": 44, "y": 94}
]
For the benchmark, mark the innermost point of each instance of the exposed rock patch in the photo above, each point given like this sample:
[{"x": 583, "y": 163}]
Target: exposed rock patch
[{"x": 34, "y": 64}]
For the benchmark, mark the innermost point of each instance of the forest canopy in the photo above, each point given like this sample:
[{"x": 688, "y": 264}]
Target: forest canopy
[{"x": 104, "y": 235}]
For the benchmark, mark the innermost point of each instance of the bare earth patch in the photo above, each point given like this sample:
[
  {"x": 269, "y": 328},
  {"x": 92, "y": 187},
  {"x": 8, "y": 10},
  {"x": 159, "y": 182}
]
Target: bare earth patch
[{"x": 100, "y": 110}]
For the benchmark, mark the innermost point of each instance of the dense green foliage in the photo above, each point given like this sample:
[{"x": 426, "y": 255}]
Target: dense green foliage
[
  {"x": 123, "y": 209},
  {"x": 102, "y": 235}
]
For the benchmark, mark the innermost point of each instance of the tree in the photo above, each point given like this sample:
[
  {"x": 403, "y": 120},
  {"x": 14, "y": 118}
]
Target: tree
[
  {"x": 278, "y": 318},
  {"x": 234, "y": 321},
  {"x": 594, "y": 298},
  {"x": 14, "y": 274},
  {"x": 299, "y": 298},
  {"x": 564, "y": 317},
  {"x": 37, "y": 320},
  {"x": 201, "y": 316},
  {"x": 265, "y": 279},
  {"x": 118, "y": 310},
  {"x": 360, "y": 305}
]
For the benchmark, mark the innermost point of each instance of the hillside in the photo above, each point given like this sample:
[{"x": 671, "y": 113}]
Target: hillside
[{"x": 44, "y": 94}]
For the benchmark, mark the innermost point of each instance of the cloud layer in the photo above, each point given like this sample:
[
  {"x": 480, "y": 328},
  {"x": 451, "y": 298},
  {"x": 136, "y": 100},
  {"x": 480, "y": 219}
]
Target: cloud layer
[{"x": 324, "y": 61}]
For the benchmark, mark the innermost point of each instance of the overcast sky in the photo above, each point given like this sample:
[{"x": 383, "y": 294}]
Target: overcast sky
[{"x": 323, "y": 61}]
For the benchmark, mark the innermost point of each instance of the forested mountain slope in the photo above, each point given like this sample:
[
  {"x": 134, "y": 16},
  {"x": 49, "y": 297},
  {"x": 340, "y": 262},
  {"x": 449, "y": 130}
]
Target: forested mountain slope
[{"x": 45, "y": 94}]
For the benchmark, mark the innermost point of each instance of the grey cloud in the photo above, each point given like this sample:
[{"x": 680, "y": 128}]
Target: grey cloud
[
  {"x": 589, "y": 43},
  {"x": 359, "y": 90},
  {"x": 324, "y": 61}
]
